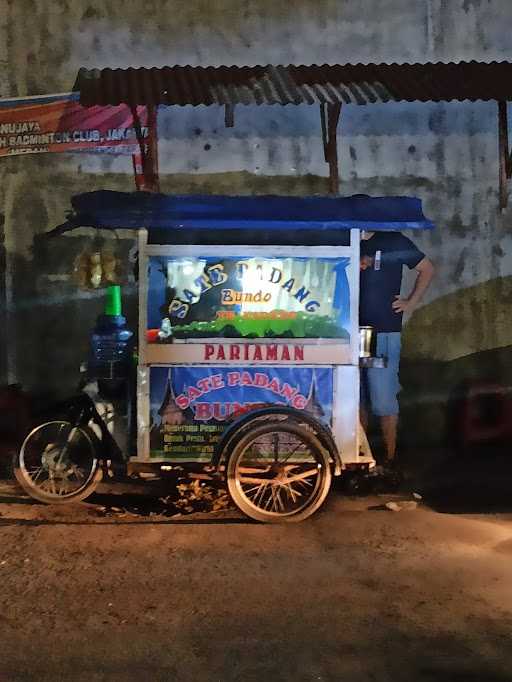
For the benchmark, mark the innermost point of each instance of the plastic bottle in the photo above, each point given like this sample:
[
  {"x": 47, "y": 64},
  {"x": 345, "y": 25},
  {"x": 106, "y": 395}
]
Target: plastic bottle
[{"x": 111, "y": 340}]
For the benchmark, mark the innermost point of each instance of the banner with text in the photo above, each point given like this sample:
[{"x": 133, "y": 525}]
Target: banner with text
[
  {"x": 272, "y": 297},
  {"x": 58, "y": 123},
  {"x": 191, "y": 406}
]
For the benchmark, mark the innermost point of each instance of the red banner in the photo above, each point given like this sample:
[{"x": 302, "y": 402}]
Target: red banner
[{"x": 58, "y": 123}]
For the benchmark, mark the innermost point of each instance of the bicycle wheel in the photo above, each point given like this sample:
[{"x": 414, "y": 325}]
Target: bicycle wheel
[
  {"x": 278, "y": 472},
  {"x": 58, "y": 463}
]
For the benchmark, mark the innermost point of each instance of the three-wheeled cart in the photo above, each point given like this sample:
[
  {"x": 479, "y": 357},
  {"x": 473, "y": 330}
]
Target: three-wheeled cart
[{"x": 248, "y": 347}]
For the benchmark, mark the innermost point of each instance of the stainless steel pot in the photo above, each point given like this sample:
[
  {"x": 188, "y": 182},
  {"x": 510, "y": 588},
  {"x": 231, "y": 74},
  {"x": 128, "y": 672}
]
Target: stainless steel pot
[{"x": 367, "y": 342}]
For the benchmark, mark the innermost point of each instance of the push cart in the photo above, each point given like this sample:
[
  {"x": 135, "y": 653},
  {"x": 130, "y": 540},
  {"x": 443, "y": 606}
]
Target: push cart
[{"x": 248, "y": 350}]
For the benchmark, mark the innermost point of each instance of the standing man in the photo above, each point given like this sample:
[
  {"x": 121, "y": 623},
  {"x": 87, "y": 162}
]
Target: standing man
[{"x": 383, "y": 255}]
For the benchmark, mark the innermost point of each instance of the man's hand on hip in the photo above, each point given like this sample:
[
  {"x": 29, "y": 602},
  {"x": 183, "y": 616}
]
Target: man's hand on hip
[{"x": 402, "y": 305}]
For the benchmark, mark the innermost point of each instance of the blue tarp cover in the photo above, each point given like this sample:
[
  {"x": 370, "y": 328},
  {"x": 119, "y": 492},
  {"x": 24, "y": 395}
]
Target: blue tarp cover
[{"x": 132, "y": 210}]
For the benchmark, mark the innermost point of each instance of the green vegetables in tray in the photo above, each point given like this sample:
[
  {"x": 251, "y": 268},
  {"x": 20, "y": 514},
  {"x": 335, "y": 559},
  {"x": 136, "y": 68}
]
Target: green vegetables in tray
[{"x": 301, "y": 326}]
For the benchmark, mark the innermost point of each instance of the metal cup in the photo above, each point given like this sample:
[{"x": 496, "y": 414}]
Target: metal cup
[{"x": 367, "y": 342}]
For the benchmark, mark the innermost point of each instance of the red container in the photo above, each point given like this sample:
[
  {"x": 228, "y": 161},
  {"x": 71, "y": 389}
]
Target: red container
[{"x": 485, "y": 414}]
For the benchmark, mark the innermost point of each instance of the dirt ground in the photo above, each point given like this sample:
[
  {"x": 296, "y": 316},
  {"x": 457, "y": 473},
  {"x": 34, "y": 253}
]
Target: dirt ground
[{"x": 358, "y": 593}]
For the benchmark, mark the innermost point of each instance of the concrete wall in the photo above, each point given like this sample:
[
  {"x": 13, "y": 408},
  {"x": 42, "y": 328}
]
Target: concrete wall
[{"x": 444, "y": 153}]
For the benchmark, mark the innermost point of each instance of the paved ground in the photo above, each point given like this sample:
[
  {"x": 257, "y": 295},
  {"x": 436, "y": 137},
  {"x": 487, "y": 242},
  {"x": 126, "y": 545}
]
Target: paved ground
[{"x": 356, "y": 593}]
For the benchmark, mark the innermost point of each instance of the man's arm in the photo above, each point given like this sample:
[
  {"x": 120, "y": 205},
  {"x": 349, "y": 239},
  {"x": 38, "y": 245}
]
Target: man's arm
[{"x": 425, "y": 270}]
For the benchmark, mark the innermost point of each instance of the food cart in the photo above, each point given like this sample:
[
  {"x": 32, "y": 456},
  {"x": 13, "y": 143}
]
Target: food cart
[{"x": 248, "y": 351}]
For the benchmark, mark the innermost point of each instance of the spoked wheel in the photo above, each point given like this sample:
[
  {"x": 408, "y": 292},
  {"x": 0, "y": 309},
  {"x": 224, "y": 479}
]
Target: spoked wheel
[
  {"x": 278, "y": 472},
  {"x": 58, "y": 463}
]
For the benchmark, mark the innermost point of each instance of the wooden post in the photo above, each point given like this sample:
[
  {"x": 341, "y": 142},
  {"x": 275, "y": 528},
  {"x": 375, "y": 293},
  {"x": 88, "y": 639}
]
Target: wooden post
[
  {"x": 151, "y": 169},
  {"x": 333, "y": 116},
  {"x": 139, "y": 158},
  {"x": 323, "y": 123},
  {"x": 147, "y": 158},
  {"x": 229, "y": 116},
  {"x": 329, "y": 125},
  {"x": 138, "y": 171},
  {"x": 505, "y": 161}
]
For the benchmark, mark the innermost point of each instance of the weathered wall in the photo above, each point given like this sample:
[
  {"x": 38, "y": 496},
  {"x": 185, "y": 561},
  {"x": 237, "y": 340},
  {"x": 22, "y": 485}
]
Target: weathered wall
[
  {"x": 444, "y": 153},
  {"x": 50, "y": 39}
]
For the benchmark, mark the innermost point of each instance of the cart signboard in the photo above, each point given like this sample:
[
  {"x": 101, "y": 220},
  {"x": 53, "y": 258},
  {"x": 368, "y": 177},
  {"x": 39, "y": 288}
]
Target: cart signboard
[
  {"x": 192, "y": 406},
  {"x": 250, "y": 309}
]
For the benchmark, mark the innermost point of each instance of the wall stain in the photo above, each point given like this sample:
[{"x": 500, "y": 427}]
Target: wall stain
[
  {"x": 459, "y": 267},
  {"x": 486, "y": 304},
  {"x": 471, "y": 4},
  {"x": 92, "y": 13}
]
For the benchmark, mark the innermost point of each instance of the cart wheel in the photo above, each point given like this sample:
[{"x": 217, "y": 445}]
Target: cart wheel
[
  {"x": 58, "y": 463},
  {"x": 278, "y": 472}
]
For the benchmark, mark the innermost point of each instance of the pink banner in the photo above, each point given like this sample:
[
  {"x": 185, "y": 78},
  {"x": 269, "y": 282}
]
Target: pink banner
[{"x": 58, "y": 123}]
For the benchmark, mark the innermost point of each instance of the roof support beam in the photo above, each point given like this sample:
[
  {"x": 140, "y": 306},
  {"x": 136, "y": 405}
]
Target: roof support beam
[
  {"x": 329, "y": 118},
  {"x": 151, "y": 170},
  {"x": 229, "y": 115},
  {"x": 139, "y": 158},
  {"x": 145, "y": 163},
  {"x": 505, "y": 157}
]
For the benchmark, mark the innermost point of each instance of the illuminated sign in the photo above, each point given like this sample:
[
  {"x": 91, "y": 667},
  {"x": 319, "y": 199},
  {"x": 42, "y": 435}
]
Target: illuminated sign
[{"x": 276, "y": 297}]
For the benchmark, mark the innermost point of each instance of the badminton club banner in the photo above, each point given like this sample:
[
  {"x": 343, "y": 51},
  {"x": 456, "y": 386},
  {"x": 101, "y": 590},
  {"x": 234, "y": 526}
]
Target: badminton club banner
[{"x": 58, "y": 123}]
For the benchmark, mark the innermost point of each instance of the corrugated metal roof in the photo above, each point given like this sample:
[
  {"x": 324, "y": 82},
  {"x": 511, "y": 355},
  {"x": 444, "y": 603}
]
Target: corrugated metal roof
[{"x": 349, "y": 84}]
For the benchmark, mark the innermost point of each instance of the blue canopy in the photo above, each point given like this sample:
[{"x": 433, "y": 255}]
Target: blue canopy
[{"x": 133, "y": 210}]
